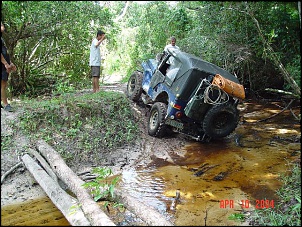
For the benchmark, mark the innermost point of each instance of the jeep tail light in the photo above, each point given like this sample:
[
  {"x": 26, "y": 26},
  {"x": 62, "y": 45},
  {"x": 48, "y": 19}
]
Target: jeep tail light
[
  {"x": 178, "y": 114},
  {"x": 176, "y": 106}
]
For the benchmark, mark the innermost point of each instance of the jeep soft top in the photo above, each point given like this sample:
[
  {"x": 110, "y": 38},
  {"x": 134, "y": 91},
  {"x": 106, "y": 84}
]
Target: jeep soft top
[{"x": 187, "y": 94}]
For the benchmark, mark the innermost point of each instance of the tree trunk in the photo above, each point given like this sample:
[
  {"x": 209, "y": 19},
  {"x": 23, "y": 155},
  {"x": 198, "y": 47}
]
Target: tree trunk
[
  {"x": 148, "y": 214},
  {"x": 290, "y": 80},
  {"x": 275, "y": 59},
  {"x": 44, "y": 164},
  {"x": 91, "y": 209},
  {"x": 63, "y": 201}
]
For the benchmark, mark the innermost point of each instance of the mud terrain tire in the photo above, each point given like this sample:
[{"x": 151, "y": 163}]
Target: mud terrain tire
[
  {"x": 221, "y": 120},
  {"x": 134, "y": 86},
  {"x": 156, "y": 126}
]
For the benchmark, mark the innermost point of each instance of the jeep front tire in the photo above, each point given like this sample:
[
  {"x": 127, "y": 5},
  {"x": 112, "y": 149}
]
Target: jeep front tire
[
  {"x": 156, "y": 125},
  {"x": 134, "y": 86},
  {"x": 221, "y": 120}
]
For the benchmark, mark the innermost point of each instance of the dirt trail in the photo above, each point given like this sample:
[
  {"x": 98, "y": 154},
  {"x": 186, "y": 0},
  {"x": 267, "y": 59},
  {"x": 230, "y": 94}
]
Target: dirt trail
[{"x": 20, "y": 186}]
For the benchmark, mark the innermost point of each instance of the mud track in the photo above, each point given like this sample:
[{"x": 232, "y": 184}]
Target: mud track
[{"x": 20, "y": 186}]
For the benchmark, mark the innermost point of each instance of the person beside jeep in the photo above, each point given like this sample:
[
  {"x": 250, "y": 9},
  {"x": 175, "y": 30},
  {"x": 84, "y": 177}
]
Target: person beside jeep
[
  {"x": 172, "y": 44},
  {"x": 95, "y": 60},
  {"x": 195, "y": 98}
]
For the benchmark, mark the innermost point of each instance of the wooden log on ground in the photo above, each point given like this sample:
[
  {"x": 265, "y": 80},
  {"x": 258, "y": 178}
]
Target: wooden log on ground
[
  {"x": 46, "y": 167},
  {"x": 148, "y": 214},
  {"x": 63, "y": 201},
  {"x": 44, "y": 164},
  {"x": 90, "y": 208}
]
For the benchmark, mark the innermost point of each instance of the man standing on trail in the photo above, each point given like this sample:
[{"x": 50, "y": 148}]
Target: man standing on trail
[
  {"x": 7, "y": 67},
  {"x": 95, "y": 60}
]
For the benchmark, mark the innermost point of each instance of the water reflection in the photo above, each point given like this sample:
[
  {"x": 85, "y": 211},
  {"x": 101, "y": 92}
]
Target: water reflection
[
  {"x": 221, "y": 178},
  {"x": 142, "y": 185},
  {"x": 34, "y": 212}
]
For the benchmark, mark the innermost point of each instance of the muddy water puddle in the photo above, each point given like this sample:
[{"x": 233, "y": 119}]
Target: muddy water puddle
[
  {"x": 35, "y": 212},
  {"x": 202, "y": 184},
  {"x": 216, "y": 180}
]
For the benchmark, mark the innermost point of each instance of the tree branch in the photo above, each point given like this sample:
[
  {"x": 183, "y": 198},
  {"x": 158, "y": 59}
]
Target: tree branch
[
  {"x": 276, "y": 61},
  {"x": 10, "y": 171},
  {"x": 274, "y": 115},
  {"x": 123, "y": 12}
]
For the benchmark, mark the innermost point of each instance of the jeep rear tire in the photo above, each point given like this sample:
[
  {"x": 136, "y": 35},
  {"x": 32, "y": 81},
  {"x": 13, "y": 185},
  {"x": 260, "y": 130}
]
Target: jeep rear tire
[
  {"x": 221, "y": 120},
  {"x": 134, "y": 86},
  {"x": 156, "y": 126}
]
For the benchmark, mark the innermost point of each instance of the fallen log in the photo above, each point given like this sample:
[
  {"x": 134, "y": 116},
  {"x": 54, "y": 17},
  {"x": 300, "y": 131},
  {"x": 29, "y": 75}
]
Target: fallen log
[
  {"x": 44, "y": 164},
  {"x": 90, "y": 208},
  {"x": 148, "y": 214},
  {"x": 274, "y": 115},
  {"x": 46, "y": 167},
  {"x": 63, "y": 201}
]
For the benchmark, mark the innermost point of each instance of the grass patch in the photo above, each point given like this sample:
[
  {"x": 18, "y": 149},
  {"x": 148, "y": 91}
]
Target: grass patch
[
  {"x": 288, "y": 211},
  {"x": 81, "y": 127},
  {"x": 6, "y": 142}
]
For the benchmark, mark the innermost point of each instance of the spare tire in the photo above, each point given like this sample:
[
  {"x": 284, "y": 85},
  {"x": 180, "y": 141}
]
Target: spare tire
[
  {"x": 134, "y": 86},
  {"x": 221, "y": 120}
]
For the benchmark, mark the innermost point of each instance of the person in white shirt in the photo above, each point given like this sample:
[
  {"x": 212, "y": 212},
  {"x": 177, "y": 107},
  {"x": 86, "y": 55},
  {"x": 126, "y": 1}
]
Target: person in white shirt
[
  {"x": 172, "y": 44},
  {"x": 95, "y": 60}
]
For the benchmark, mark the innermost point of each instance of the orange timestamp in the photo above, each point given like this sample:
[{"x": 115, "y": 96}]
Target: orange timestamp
[{"x": 259, "y": 203}]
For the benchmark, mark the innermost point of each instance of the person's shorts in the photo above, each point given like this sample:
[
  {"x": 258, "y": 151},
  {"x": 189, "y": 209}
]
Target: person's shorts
[
  {"x": 95, "y": 71},
  {"x": 4, "y": 74}
]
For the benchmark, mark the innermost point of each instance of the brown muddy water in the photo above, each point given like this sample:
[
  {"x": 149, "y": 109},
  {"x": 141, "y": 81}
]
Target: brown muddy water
[
  {"x": 34, "y": 212},
  {"x": 211, "y": 181}
]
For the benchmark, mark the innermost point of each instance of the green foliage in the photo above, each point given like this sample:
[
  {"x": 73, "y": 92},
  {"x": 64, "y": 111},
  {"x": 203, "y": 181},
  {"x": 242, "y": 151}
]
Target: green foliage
[
  {"x": 102, "y": 186},
  {"x": 237, "y": 217},
  {"x": 288, "y": 210},
  {"x": 80, "y": 126},
  {"x": 6, "y": 142},
  {"x": 51, "y": 37},
  {"x": 294, "y": 69},
  {"x": 63, "y": 86},
  {"x": 55, "y": 42}
]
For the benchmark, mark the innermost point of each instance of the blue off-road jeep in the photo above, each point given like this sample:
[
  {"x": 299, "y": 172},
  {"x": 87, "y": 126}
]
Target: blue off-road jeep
[{"x": 187, "y": 95}]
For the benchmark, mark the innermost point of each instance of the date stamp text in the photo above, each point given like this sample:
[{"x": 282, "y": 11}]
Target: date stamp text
[{"x": 245, "y": 204}]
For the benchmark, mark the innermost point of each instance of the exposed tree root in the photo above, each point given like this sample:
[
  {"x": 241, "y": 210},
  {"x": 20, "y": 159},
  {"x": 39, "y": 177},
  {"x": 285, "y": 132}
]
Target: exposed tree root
[
  {"x": 10, "y": 171},
  {"x": 274, "y": 115}
]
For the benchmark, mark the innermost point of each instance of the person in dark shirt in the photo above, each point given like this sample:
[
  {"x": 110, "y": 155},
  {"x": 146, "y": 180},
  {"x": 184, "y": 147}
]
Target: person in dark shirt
[{"x": 7, "y": 67}]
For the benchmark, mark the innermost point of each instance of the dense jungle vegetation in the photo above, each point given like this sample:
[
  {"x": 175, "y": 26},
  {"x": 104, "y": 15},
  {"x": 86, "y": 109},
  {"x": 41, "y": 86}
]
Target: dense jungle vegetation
[{"x": 49, "y": 41}]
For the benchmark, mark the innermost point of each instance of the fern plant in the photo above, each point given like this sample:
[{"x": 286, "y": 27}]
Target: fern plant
[{"x": 102, "y": 186}]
